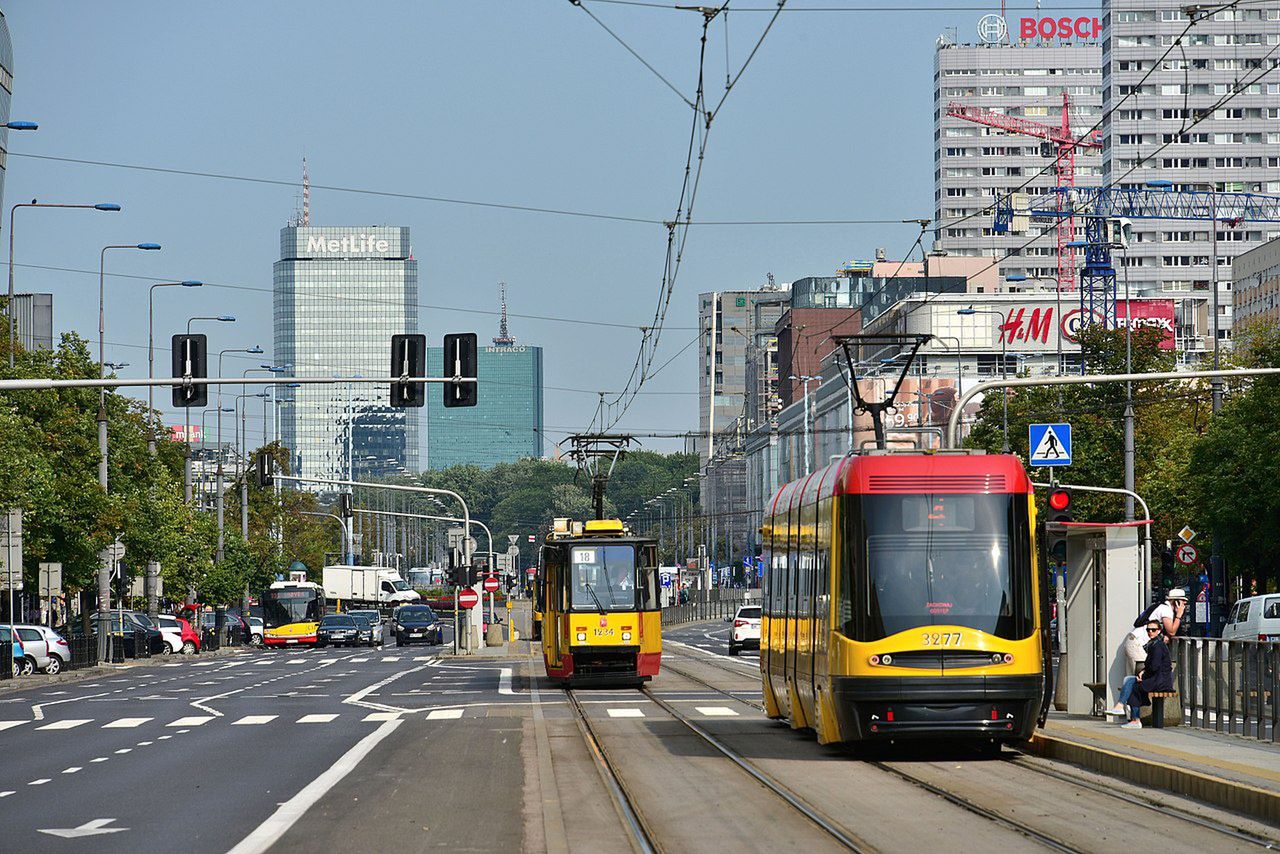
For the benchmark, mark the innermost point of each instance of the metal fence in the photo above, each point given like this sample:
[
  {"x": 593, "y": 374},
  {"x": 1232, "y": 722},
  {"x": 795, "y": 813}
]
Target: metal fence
[
  {"x": 709, "y": 605},
  {"x": 1230, "y": 686},
  {"x": 84, "y": 652},
  {"x": 6, "y": 660}
]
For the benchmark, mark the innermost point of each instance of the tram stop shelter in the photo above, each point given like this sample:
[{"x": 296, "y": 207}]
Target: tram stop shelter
[{"x": 1105, "y": 584}]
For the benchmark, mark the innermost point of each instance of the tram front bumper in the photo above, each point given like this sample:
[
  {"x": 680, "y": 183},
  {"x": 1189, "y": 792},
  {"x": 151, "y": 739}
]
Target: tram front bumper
[{"x": 891, "y": 707}]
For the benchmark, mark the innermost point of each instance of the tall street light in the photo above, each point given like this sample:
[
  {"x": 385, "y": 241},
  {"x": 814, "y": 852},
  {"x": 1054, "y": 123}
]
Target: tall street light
[
  {"x": 101, "y": 206},
  {"x": 257, "y": 351},
  {"x": 104, "y": 567},
  {"x": 186, "y": 410},
  {"x": 806, "y": 379},
  {"x": 151, "y": 353},
  {"x": 1004, "y": 360}
]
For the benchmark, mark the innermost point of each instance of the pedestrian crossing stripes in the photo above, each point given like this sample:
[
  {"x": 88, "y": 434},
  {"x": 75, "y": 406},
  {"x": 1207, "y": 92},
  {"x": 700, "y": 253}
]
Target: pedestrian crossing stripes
[
  {"x": 316, "y": 719},
  {"x": 254, "y": 720},
  {"x": 126, "y": 723},
  {"x": 625, "y": 713},
  {"x": 194, "y": 720},
  {"x": 444, "y": 714},
  {"x": 70, "y": 723}
]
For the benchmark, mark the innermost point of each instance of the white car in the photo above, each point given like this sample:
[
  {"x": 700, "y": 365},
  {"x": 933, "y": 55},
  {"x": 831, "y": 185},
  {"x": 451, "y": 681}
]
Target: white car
[
  {"x": 745, "y": 631},
  {"x": 171, "y": 631},
  {"x": 44, "y": 648},
  {"x": 1256, "y": 618}
]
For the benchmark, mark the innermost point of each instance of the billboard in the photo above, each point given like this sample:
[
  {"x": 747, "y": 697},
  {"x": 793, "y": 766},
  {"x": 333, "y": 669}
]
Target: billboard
[{"x": 185, "y": 433}]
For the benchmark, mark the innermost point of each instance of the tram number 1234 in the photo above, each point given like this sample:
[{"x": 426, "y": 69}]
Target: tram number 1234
[{"x": 941, "y": 639}]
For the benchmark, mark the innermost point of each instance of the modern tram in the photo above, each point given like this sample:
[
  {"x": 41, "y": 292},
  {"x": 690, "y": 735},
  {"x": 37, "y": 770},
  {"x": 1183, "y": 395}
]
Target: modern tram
[
  {"x": 291, "y": 612},
  {"x": 904, "y": 599},
  {"x": 597, "y": 603}
]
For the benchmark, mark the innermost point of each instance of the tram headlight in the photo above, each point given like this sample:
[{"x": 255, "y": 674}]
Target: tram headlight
[
  {"x": 886, "y": 659},
  {"x": 582, "y": 636},
  {"x": 626, "y": 636},
  {"x": 997, "y": 658}
]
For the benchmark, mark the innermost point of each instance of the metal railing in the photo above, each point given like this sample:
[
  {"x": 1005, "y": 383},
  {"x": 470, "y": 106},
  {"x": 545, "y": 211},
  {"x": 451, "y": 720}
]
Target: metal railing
[
  {"x": 84, "y": 652},
  {"x": 6, "y": 660},
  {"x": 709, "y": 605},
  {"x": 210, "y": 639},
  {"x": 1230, "y": 686}
]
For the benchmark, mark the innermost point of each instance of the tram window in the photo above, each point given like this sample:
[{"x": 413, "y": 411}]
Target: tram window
[
  {"x": 602, "y": 578},
  {"x": 793, "y": 555}
]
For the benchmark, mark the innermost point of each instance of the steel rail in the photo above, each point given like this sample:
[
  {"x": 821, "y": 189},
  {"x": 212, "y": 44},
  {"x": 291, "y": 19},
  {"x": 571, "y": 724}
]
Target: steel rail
[{"x": 641, "y": 834}]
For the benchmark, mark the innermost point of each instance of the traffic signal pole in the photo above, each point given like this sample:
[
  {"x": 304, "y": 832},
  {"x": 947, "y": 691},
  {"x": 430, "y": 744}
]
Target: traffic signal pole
[{"x": 1144, "y": 593}]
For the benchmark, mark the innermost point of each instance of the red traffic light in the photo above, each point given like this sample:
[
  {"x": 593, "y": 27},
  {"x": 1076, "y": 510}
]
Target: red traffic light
[{"x": 1060, "y": 500}]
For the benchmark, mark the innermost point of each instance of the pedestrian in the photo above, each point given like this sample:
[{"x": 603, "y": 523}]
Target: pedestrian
[
  {"x": 1156, "y": 677},
  {"x": 1168, "y": 614}
]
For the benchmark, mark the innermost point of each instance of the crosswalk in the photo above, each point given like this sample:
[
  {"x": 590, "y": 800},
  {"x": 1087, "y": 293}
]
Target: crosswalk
[
  {"x": 192, "y": 721},
  {"x": 704, "y": 711}
]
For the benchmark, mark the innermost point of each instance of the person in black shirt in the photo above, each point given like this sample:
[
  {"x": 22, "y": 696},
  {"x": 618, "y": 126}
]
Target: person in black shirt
[{"x": 1156, "y": 677}]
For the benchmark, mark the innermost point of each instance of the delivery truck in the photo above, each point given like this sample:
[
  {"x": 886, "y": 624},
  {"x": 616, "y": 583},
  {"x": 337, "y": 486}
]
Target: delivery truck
[{"x": 366, "y": 586}]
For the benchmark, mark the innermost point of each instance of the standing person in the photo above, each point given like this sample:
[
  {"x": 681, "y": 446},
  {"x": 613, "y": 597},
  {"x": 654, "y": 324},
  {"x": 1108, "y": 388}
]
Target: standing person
[
  {"x": 1168, "y": 614},
  {"x": 1156, "y": 677}
]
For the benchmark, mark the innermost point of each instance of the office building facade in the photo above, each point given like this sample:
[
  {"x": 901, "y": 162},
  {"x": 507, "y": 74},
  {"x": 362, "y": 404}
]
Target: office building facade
[
  {"x": 6, "y": 95},
  {"x": 1150, "y": 100},
  {"x": 975, "y": 163},
  {"x": 33, "y": 321},
  {"x": 1255, "y": 278},
  {"x": 506, "y": 423},
  {"x": 340, "y": 293}
]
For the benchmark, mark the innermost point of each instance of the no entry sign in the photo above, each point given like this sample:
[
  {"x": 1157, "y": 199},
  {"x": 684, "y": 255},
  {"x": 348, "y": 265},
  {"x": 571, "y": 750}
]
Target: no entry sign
[
  {"x": 468, "y": 598},
  {"x": 491, "y": 584},
  {"x": 1186, "y": 554}
]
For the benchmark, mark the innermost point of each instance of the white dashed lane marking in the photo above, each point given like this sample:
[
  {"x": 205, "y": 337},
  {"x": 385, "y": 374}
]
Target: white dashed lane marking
[
  {"x": 381, "y": 716},
  {"x": 444, "y": 714},
  {"x": 4, "y": 725},
  {"x": 316, "y": 719},
  {"x": 195, "y": 720},
  {"x": 716, "y": 711},
  {"x": 70, "y": 723},
  {"x": 253, "y": 720},
  {"x": 126, "y": 723},
  {"x": 625, "y": 713}
]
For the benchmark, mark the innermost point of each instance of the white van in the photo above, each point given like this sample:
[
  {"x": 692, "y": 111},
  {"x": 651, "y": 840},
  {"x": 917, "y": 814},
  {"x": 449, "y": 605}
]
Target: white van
[{"x": 1256, "y": 618}]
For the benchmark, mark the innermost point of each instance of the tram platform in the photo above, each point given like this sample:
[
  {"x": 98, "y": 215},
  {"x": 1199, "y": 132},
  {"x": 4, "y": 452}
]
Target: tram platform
[{"x": 1237, "y": 773}]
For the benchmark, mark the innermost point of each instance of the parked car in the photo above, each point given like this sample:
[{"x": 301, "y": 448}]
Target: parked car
[
  {"x": 416, "y": 624},
  {"x": 337, "y": 629},
  {"x": 123, "y": 627},
  {"x": 22, "y": 666},
  {"x": 178, "y": 634},
  {"x": 256, "y": 628},
  {"x": 44, "y": 648},
  {"x": 745, "y": 631},
  {"x": 1256, "y": 618},
  {"x": 373, "y": 637}
]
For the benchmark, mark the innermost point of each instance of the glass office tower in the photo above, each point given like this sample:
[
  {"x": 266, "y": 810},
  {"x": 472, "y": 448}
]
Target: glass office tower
[
  {"x": 506, "y": 423},
  {"x": 6, "y": 94},
  {"x": 340, "y": 294}
]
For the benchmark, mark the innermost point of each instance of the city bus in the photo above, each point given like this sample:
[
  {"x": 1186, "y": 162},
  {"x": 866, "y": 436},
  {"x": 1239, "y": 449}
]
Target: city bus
[{"x": 291, "y": 612}]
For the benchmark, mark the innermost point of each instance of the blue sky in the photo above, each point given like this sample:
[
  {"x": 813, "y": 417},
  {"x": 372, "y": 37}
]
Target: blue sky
[{"x": 527, "y": 102}]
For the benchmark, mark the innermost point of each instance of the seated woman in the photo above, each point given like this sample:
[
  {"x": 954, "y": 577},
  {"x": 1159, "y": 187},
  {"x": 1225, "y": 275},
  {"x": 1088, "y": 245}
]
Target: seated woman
[{"x": 1156, "y": 677}]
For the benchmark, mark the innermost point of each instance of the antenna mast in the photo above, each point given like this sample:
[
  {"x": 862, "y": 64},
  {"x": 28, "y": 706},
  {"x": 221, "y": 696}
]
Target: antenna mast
[
  {"x": 306, "y": 194},
  {"x": 504, "y": 338}
]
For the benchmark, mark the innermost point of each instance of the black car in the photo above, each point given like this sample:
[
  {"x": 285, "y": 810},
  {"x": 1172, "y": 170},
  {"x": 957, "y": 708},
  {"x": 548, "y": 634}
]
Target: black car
[
  {"x": 124, "y": 629},
  {"x": 339, "y": 630},
  {"x": 416, "y": 624}
]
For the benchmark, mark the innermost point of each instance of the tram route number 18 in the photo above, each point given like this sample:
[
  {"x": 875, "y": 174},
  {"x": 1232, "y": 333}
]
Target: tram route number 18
[{"x": 941, "y": 639}]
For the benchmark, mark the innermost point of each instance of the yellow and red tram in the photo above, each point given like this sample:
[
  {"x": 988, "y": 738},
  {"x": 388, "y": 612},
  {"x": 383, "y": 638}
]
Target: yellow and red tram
[
  {"x": 903, "y": 599},
  {"x": 597, "y": 606}
]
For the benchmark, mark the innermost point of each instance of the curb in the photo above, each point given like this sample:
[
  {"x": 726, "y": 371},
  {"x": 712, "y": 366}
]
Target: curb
[
  {"x": 1238, "y": 797},
  {"x": 38, "y": 681}
]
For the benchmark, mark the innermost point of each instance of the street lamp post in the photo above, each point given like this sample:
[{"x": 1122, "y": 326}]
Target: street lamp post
[
  {"x": 151, "y": 353},
  {"x": 104, "y": 566},
  {"x": 1004, "y": 360},
  {"x": 186, "y": 413},
  {"x": 204, "y": 431},
  {"x": 806, "y": 379},
  {"x": 257, "y": 351}
]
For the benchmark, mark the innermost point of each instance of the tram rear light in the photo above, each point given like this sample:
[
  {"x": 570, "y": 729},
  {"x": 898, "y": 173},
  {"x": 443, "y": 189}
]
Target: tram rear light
[
  {"x": 888, "y": 716},
  {"x": 1008, "y": 658},
  {"x": 875, "y": 659},
  {"x": 993, "y": 715}
]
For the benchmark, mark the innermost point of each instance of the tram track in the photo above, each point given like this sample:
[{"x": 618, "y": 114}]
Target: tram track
[{"x": 1021, "y": 761}]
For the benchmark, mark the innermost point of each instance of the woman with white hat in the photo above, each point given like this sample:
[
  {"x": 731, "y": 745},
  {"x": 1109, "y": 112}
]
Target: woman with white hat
[{"x": 1168, "y": 614}]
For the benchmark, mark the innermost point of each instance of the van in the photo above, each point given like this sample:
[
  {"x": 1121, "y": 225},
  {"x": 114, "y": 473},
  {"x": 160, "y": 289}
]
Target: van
[{"x": 1256, "y": 618}]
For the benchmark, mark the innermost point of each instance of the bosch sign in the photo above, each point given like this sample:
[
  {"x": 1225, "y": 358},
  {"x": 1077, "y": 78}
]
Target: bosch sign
[{"x": 1059, "y": 28}]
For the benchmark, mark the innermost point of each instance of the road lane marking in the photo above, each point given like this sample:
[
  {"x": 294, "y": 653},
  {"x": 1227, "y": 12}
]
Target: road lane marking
[
  {"x": 4, "y": 725},
  {"x": 381, "y": 716},
  {"x": 100, "y": 759},
  {"x": 126, "y": 723},
  {"x": 194, "y": 720},
  {"x": 73, "y": 769},
  {"x": 145, "y": 743},
  {"x": 716, "y": 711},
  {"x": 6, "y": 794},
  {"x": 315, "y": 719},
  {"x": 39, "y": 782},
  {"x": 625, "y": 713},
  {"x": 37, "y": 711},
  {"x": 504, "y": 682},
  {"x": 254, "y": 720},
  {"x": 124, "y": 750},
  {"x": 359, "y": 660},
  {"x": 266, "y": 834},
  {"x": 444, "y": 715},
  {"x": 296, "y": 661},
  {"x": 387, "y": 659},
  {"x": 70, "y": 723}
]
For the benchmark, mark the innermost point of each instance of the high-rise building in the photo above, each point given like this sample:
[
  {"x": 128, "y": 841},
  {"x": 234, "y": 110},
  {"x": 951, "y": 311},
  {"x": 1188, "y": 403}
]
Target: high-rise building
[
  {"x": 6, "y": 95},
  {"x": 1255, "y": 278},
  {"x": 506, "y": 424},
  {"x": 33, "y": 320},
  {"x": 340, "y": 294},
  {"x": 1150, "y": 100},
  {"x": 975, "y": 163}
]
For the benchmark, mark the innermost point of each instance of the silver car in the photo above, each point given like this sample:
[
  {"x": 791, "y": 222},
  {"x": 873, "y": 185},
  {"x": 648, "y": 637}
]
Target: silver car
[
  {"x": 45, "y": 648},
  {"x": 374, "y": 636}
]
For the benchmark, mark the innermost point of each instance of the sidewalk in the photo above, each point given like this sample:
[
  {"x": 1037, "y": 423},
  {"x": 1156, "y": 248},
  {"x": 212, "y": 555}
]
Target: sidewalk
[
  {"x": 1237, "y": 773},
  {"x": 40, "y": 680},
  {"x": 522, "y": 648}
]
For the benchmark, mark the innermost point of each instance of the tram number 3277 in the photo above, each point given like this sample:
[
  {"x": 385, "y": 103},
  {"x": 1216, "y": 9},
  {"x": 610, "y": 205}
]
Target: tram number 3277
[{"x": 941, "y": 639}]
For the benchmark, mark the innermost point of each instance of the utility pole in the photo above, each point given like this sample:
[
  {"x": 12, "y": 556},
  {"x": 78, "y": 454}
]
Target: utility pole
[{"x": 1128, "y": 394}]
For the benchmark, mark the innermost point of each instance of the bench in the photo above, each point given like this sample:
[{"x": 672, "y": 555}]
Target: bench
[
  {"x": 1157, "y": 707},
  {"x": 1099, "y": 690}
]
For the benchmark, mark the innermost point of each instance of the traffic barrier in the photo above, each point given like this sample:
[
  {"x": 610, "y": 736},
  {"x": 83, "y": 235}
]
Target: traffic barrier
[
  {"x": 713, "y": 604},
  {"x": 210, "y": 640},
  {"x": 1230, "y": 686},
  {"x": 84, "y": 651},
  {"x": 141, "y": 644},
  {"x": 6, "y": 660}
]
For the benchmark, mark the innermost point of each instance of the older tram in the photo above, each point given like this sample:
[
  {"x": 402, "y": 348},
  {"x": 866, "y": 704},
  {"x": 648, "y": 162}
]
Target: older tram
[
  {"x": 904, "y": 600},
  {"x": 598, "y": 604}
]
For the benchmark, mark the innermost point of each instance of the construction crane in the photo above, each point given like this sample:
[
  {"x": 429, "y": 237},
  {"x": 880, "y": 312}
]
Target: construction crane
[
  {"x": 1065, "y": 144},
  {"x": 1105, "y": 210}
]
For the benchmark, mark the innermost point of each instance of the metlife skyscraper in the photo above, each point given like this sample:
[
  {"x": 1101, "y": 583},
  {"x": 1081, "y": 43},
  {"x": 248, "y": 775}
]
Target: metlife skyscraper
[{"x": 340, "y": 294}]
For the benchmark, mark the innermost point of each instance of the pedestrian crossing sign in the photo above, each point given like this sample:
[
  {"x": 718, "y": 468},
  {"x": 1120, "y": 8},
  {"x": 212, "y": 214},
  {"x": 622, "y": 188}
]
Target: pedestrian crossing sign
[{"x": 1050, "y": 444}]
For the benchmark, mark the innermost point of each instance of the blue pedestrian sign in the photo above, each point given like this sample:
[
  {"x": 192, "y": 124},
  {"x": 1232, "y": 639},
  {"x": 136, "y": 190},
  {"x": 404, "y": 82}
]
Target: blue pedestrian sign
[{"x": 1050, "y": 444}]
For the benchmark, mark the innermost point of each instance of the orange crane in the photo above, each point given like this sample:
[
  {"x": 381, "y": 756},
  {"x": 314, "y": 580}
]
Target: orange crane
[{"x": 1065, "y": 144}]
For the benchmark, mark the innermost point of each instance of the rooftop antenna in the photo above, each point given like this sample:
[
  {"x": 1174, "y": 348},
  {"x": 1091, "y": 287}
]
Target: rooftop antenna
[
  {"x": 306, "y": 194},
  {"x": 504, "y": 338}
]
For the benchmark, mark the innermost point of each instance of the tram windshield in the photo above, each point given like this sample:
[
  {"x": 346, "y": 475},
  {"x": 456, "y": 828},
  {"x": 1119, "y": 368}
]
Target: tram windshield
[
  {"x": 602, "y": 578},
  {"x": 939, "y": 559},
  {"x": 281, "y": 607}
]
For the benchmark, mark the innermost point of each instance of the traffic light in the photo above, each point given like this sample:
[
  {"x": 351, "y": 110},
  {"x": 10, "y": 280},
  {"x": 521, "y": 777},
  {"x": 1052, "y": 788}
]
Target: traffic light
[
  {"x": 408, "y": 359},
  {"x": 190, "y": 355},
  {"x": 460, "y": 363},
  {"x": 344, "y": 505},
  {"x": 1059, "y": 503},
  {"x": 266, "y": 468}
]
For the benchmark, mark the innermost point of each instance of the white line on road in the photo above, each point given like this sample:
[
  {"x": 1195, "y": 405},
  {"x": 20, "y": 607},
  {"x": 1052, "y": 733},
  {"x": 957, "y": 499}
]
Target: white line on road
[
  {"x": 266, "y": 834},
  {"x": 39, "y": 782},
  {"x": 254, "y": 720},
  {"x": 387, "y": 659},
  {"x": 126, "y": 723},
  {"x": 124, "y": 750},
  {"x": 381, "y": 716},
  {"x": 73, "y": 769},
  {"x": 444, "y": 715},
  {"x": 6, "y": 794},
  {"x": 504, "y": 681},
  {"x": 359, "y": 660},
  {"x": 4, "y": 725},
  {"x": 315, "y": 719},
  {"x": 625, "y": 713},
  {"x": 716, "y": 711},
  {"x": 70, "y": 723},
  {"x": 195, "y": 720},
  {"x": 100, "y": 759},
  {"x": 37, "y": 711}
]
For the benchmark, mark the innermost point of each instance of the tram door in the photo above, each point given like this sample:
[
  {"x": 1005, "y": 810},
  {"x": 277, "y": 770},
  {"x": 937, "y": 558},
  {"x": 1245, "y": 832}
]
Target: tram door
[
  {"x": 805, "y": 602},
  {"x": 551, "y": 604}
]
